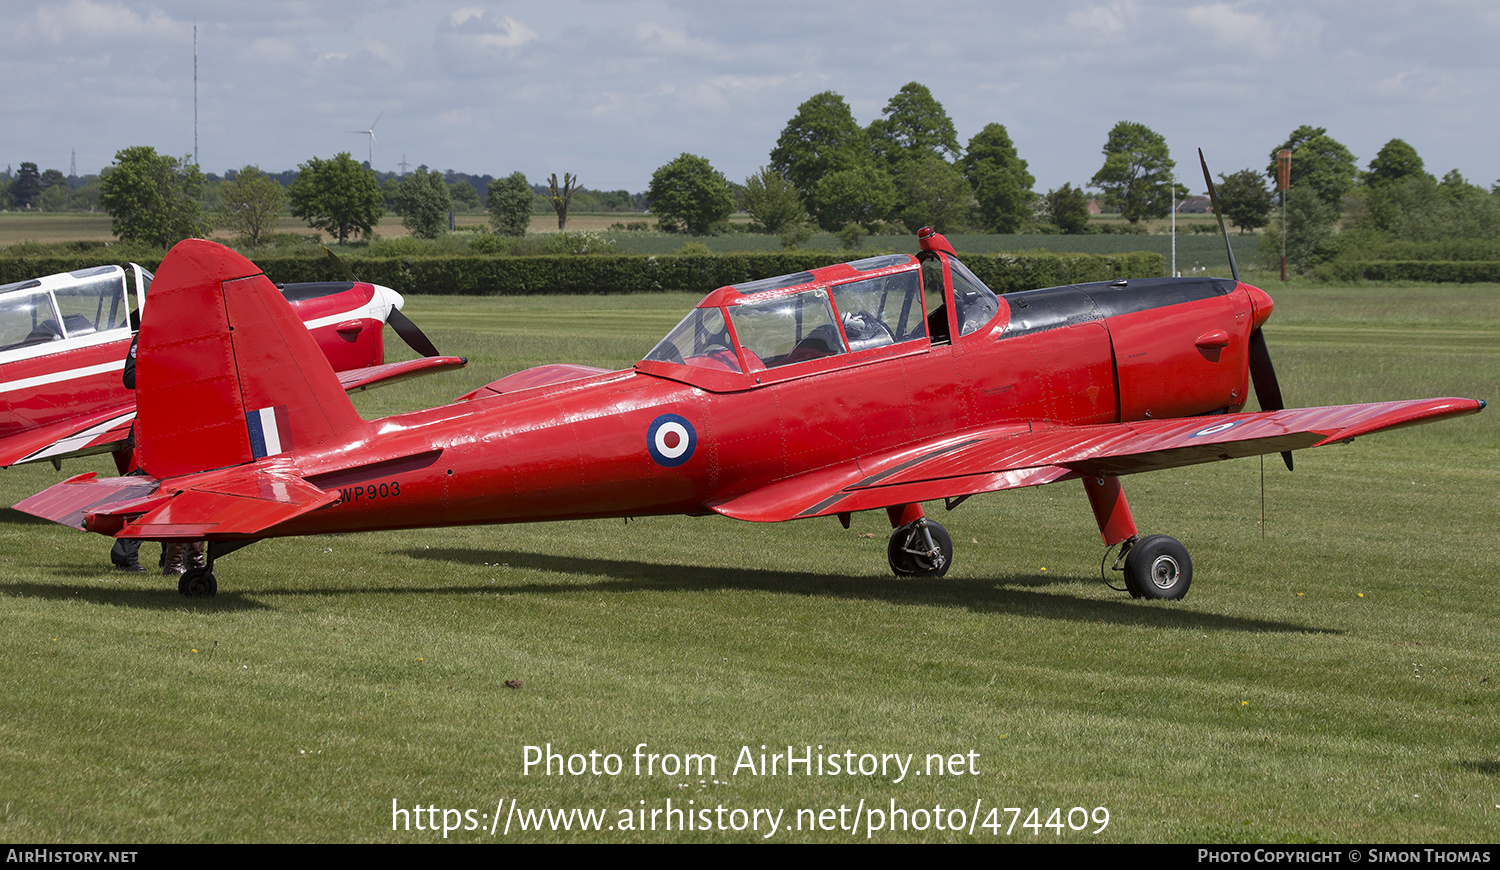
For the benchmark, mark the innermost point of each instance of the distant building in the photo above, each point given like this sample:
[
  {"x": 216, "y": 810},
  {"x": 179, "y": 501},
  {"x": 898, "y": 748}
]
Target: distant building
[
  {"x": 1095, "y": 207},
  {"x": 1195, "y": 205}
]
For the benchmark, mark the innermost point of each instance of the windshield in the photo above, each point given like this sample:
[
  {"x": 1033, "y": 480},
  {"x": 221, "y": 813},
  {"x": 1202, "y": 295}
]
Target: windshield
[
  {"x": 701, "y": 339},
  {"x": 973, "y": 302}
]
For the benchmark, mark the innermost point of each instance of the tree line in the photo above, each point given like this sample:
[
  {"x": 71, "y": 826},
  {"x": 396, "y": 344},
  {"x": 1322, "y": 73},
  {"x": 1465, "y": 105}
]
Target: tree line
[{"x": 906, "y": 169}]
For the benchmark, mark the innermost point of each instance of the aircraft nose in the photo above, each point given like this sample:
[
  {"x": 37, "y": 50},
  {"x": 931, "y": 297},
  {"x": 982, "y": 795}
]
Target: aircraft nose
[{"x": 1260, "y": 300}]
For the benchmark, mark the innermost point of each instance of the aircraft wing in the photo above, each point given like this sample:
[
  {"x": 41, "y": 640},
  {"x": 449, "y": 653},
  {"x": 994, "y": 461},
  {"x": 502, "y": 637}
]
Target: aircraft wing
[
  {"x": 100, "y": 432},
  {"x": 236, "y": 503},
  {"x": 355, "y": 380},
  {"x": 1010, "y": 456}
]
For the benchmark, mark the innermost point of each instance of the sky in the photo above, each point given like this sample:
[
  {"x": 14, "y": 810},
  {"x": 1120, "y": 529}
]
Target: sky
[{"x": 610, "y": 91}]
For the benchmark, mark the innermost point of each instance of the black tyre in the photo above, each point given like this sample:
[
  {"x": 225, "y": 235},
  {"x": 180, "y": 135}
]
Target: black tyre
[
  {"x": 1158, "y": 567},
  {"x": 911, "y": 555},
  {"x": 198, "y": 583}
]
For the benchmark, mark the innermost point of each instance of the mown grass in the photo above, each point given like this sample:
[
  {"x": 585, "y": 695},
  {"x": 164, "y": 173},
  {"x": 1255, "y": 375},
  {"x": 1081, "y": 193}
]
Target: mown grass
[
  {"x": 1195, "y": 251},
  {"x": 1334, "y": 681}
]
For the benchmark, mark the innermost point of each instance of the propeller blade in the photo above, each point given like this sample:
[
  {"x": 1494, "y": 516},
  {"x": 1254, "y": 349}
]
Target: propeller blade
[
  {"x": 1263, "y": 375},
  {"x": 411, "y": 333},
  {"x": 1234, "y": 269},
  {"x": 348, "y": 273}
]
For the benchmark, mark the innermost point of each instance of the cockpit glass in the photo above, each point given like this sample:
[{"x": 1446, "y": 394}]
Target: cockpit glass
[
  {"x": 974, "y": 303},
  {"x": 880, "y": 311},
  {"x": 701, "y": 340},
  {"x": 788, "y": 329},
  {"x": 94, "y": 304}
]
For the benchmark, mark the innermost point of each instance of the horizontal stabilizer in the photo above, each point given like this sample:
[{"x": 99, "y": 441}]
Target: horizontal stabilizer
[
  {"x": 242, "y": 504},
  {"x": 71, "y": 501}
]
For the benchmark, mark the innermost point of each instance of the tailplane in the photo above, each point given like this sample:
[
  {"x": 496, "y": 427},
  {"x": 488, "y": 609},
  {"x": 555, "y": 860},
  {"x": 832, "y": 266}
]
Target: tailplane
[{"x": 226, "y": 373}]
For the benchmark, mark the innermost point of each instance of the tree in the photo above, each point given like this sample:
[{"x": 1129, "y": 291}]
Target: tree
[
  {"x": 861, "y": 195},
  {"x": 337, "y": 195},
  {"x": 1137, "y": 172},
  {"x": 821, "y": 139},
  {"x": 463, "y": 195},
  {"x": 689, "y": 194},
  {"x": 915, "y": 126},
  {"x": 773, "y": 201},
  {"x": 1244, "y": 199},
  {"x": 562, "y": 197},
  {"x": 153, "y": 198},
  {"x": 1395, "y": 161},
  {"x": 1309, "y": 221},
  {"x": 423, "y": 201},
  {"x": 26, "y": 190},
  {"x": 250, "y": 204},
  {"x": 1002, "y": 186},
  {"x": 930, "y": 191},
  {"x": 1319, "y": 162},
  {"x": 509, "y": 203},
  {"x": 1068, "y": 208},
  {"x": 54, "y": 191}
]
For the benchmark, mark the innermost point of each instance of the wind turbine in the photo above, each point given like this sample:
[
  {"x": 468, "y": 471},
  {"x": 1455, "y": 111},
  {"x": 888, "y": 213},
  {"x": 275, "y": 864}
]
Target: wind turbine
[{"x": 371, "y": 133}]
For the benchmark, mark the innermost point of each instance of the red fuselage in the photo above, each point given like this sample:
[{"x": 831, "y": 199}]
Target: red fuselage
[{"x": 680, "y": 434}]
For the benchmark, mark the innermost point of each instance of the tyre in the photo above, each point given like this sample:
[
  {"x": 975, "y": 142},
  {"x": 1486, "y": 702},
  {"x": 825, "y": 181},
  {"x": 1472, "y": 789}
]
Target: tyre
[
  {"x": 198, "y": 583},
  {"x": 911, "y": 555},
  {"x": 1158, "y": 567}
]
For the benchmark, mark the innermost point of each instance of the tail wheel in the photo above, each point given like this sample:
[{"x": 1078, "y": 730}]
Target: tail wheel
[
  {"x": 198, "y": 583},
  {"x": 1158, "y": 567},
  {"x": 920, "y": 549}
]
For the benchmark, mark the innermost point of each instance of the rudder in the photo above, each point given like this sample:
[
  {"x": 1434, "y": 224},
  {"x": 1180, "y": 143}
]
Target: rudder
[{"x": 226, "y": 373}]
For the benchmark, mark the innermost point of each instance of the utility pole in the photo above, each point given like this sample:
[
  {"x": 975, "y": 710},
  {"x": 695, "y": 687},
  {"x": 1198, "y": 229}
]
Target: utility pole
[{"x": 195, "y": 92}]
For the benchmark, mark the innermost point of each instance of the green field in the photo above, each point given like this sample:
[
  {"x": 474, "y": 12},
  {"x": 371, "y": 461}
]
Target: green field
[
  {"x": 1331, "y": 678},
  {"x": 1194, "y": 250}
]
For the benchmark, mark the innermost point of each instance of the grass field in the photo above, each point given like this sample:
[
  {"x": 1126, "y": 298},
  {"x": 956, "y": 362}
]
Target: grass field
[
  {"x": 1194, "y": 250},
  {"x": 1334, "y": 681}
]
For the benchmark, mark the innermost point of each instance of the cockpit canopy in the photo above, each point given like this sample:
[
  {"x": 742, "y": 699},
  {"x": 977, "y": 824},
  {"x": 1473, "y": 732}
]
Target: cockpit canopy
[
  {"x": 827, "y": 312},
  {"x": 65, "y": 306}
]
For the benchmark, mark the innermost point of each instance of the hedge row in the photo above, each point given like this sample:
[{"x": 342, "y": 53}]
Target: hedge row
[
  {"x": 1435, "y": 271},
  {"x": 493, "y": 276}
]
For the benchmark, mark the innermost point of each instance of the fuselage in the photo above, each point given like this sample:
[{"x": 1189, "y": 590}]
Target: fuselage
[{"x": 726, "y": 405}]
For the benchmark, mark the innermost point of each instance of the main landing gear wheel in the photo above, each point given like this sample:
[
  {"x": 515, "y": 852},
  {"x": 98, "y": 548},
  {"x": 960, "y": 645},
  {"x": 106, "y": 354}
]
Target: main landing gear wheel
[
  {"x": 198, "y": 583},
  {"x": 920, "y": 549},
  {"x": 1158, "y": 567}
]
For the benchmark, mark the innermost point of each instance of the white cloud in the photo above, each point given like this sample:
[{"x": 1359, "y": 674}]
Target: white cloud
[
  {"x": 471, "y": 25},
  {"x": 84, "y": 19}
]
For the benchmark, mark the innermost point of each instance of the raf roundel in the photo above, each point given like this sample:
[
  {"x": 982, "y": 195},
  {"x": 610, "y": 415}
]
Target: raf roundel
[{"x": 671, "y": 440}]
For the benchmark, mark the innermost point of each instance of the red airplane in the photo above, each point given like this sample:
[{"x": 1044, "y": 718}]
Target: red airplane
[
  {"x": 64, "y": 338},
  {"x": 872, "y": 385}
]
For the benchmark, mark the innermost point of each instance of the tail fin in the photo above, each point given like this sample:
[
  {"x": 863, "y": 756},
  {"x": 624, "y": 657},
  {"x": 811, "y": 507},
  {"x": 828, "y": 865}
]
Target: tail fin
[{"x": 226, "y": 373}]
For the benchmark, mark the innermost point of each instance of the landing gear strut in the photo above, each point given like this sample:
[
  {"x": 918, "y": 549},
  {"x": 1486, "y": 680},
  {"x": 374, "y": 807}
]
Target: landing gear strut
[
  {"x": 920, "y": 548},
  {"x": 1156, "y": 566}
]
